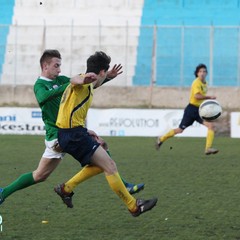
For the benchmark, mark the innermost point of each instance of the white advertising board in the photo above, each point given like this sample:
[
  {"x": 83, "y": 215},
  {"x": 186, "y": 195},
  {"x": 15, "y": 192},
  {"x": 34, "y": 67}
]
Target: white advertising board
[
  {"x": 105, "y": 122},
  {"x": 235, "y": 124},
  {"x": 21, "y": 121},
  {"x": 139, "y": 122}
]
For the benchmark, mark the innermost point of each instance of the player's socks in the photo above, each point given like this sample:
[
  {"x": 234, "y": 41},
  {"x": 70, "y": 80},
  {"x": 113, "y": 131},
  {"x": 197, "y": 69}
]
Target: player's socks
[
  {"x": 170, "y": 134},
  {"x": 90, "y": 171},
  {"x": 1, "y": 196},
  {"x": 209, "y": 140},
  {"x": 25, "y": 180},
  {"x": 126, "y": 183},
  {"x": 108, "y": 152},
  {"x": 118, "y": 187},
  {"x": 132, "y": 188},
  {"x": 86, "y": 173}
]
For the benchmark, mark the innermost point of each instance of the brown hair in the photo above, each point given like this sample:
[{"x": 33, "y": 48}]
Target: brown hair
[
  {"x": 199, "y": 66},
  {"x": 48, "y": 55},
  {"x": 97, "y": 62}
]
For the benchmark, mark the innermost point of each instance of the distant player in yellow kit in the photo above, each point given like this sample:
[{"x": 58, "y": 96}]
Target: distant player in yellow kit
[{"x": 197, "y": 95}]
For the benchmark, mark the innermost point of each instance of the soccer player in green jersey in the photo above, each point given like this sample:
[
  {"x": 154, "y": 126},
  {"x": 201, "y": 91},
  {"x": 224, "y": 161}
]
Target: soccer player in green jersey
[
  {"x": 48, "y": 90},
  {"x": 197, "y": 95},
  {"x": 75, "y": 139}
]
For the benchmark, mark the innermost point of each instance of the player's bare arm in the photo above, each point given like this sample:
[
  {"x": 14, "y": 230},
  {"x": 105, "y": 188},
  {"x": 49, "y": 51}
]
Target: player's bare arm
[
  {"x": 98, "y": 139},
  {"x": 199, "y": 96},
  {"x": 92, "y": 133},
  {"x": 82, "y": 79}
]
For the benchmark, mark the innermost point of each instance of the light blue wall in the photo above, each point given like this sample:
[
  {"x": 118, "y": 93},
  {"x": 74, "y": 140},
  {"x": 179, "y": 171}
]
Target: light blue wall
[
  {"x": 6, "y": 14},
  {"x": 196, "y": 47}
]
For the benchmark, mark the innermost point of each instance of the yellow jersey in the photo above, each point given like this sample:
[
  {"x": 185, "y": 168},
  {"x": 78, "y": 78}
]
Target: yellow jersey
[
  {"x": 197, "y": 87},
  {"x": 74, "y": 106}
]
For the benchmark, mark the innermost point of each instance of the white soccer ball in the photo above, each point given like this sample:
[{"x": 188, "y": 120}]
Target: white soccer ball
[{"x": 210, "y": 110}]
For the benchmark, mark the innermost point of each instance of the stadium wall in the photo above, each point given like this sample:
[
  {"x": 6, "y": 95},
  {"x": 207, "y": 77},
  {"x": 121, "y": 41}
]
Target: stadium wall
[
  {"x": 76, "y": 35},
  {"x": 126, "y": 97},
  {"x": 136, "y": 97},
  {"x": 188, "y": 32}
]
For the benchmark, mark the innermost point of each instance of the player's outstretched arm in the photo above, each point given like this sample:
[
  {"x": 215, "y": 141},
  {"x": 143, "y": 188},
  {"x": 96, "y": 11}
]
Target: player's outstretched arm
[
  {"x": 199, "y": 96},
  {"x": 114, "y": 72},
  {"x": 82, "y": 79}
]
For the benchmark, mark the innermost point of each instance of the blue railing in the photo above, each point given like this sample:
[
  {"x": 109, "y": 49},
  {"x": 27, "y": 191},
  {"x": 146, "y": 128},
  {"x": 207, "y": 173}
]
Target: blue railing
[
  {"x": 188, "y": 33},
  {"x": 6, "y": 15}
]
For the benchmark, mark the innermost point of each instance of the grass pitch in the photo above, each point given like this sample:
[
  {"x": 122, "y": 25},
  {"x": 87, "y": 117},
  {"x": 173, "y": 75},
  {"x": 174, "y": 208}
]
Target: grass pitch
[{"x": 198, "y": 195}]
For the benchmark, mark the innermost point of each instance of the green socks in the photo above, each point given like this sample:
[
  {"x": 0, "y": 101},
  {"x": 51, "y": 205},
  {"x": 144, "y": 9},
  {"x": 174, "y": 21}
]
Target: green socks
[
  {"x": 23, "y": 181},
  {"x": 108, "y": 152}
]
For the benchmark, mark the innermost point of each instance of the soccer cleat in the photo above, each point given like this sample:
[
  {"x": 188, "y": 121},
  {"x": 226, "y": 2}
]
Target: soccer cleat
[
  {"x": 1, "y": 196},
  {"x": 158, "y": 144},
  {"x": 144, "y": 206},
  {"x": 132, "y": 189},
  {"x": 211, "y": 151},
  {"x": 66, "y": 197}
]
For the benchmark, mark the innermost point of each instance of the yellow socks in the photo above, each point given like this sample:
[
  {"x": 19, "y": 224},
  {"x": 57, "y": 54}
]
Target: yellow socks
[
  {"x": 114, "y": 181},
  {"x": 170, "y": 134},
  {"x": 118, "y": 187},
  {"x": 210, "y": 137},
  {"x": 86, "y": 173}
]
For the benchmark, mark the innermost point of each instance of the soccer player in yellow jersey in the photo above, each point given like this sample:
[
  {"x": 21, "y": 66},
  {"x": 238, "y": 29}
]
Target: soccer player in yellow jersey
[
  {"x": 48, "y": 90},
  {"x": 74, "y": 138},
  {"x": 197, "y": 95}
]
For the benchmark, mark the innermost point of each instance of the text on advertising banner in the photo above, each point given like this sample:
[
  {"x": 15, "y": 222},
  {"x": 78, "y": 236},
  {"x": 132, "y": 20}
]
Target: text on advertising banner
[
  {"x": 21, "y": 121},
  {"x": 139, "y": 122}
]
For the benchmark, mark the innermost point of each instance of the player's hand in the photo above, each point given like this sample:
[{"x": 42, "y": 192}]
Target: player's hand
[
  {"x": 115, "y": 71},
  {"x": 212, "y": 97},
  {"x": 82, "y": 79},
  {"x": 93, "y": 134},
  {"x": 98, "y": 139},
  {"x": 89, "y": 78}
]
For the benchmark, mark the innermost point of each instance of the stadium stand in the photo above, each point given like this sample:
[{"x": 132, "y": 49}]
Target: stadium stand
[
  {"x": 198, "y": 31},
  {"x": 37, "y": 25},
  {"x": 188, "y": 32},
  {"x": 6, "y": 13}
]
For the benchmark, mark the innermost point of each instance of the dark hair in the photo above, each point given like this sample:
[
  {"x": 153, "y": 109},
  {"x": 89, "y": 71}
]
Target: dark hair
[
  {"x": 48, "y": 55},
  {"x": 199, "y": 66},
  {"x": 97, "y": 62}
]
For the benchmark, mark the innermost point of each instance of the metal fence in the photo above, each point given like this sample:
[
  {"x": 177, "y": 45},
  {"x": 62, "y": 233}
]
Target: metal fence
[
  {"x": 172, "y": 53},
  {"x": 150, "y": 55}
]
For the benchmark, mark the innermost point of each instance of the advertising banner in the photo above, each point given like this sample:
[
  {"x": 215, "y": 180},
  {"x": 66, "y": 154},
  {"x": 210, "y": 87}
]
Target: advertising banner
[
  {"x": 21, "y": 121},
  {"x": 139, "y": 122},
  {"x": 111, "y": 122},
  {"x": 235, "y": 124}
]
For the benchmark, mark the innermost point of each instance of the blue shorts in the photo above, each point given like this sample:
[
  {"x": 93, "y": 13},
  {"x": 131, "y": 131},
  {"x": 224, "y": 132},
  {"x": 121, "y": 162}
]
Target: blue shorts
[
  {"x": 78, "y": 143},
  {"x": 190, "y": 115}
]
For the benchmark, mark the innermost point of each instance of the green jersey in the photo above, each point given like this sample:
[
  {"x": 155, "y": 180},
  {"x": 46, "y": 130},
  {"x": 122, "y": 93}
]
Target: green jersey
[{"x": 48, "y": 94}]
